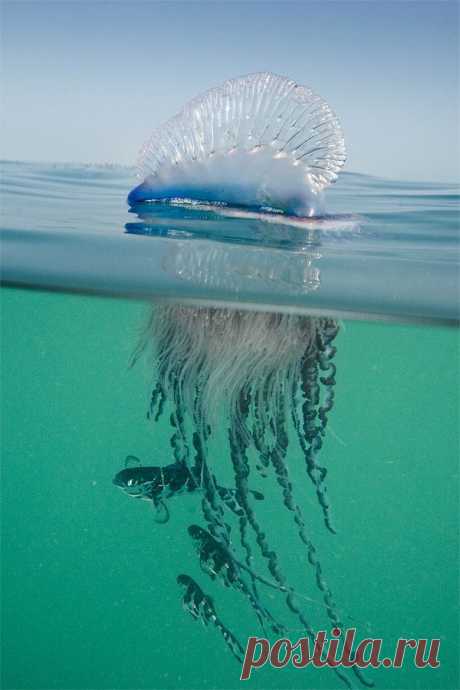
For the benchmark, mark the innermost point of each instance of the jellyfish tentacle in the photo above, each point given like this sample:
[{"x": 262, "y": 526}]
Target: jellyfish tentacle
[
  {"x": 232, "y": 504},
  {"x": 278, "y": 587},
  {"x": 175, "y": 440},
  {"x": 143, "y": 341},
  {"x": 179, "y": 439},
  {"x": 211, "y": 502},
  {"x": 199, "y": 471},
  {"x": 272, "y": 560},
  {"x": 158, "y": 396},
  {"x": 310, "y": 434},
  {"x": 221, "y": 556},
  {"x": 316, "y": 471},
  {"x": 214, "y": 497},
  {"x": 258, "y": 437},
  {"x": 254, "y": 594},
  {"x": 241, "y": 471},
  {"x": 282, "y": 476},
  {"x": 327, "y": 352},
  {"x": 329, "y": 383},
  {"x": 243, "y": 522},
  {"x": 217, "y": 561},
  {"x": 232, "y": 578},
  {"x": 263, "y": 614},
  {"x": 161, "y": 511},
  {"x": 157, "y": 402}
]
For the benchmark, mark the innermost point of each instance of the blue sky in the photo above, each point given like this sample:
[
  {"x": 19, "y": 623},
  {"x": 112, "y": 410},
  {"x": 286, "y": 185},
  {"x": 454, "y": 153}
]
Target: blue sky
[{"x": 89, "y": 81}]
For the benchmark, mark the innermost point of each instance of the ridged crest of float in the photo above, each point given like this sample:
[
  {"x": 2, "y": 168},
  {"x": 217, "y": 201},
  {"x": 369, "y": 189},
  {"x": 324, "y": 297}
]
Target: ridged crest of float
[{"x": 260, "y": 140}]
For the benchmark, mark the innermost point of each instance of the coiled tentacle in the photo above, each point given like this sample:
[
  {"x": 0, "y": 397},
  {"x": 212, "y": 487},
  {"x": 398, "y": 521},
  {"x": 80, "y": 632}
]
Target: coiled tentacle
[
  {"x": 241, "y": 470},
  {"x": 178, "y": 441},
  {"x": 277, "y": 457},
  {"x": 326, "y": 353},
  {"x": 258, "y": 437},
  {"x": 211, "y": 502},
  {"x": 310, "y": 431},
  {"x": 253, "y": 594},
  {"x": 282, "y": 475},
  {"x": 157, "y": 402}
]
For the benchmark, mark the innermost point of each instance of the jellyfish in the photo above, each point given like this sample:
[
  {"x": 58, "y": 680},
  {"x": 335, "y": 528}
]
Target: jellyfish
[{"x": 262, "y": 147}]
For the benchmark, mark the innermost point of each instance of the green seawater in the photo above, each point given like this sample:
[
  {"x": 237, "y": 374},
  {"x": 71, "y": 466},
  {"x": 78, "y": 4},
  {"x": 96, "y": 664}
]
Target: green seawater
[{"x": 89, "y": 592}]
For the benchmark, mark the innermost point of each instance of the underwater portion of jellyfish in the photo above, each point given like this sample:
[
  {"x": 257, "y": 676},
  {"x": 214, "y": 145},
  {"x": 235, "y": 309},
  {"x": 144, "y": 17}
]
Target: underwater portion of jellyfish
[
  {"x": 266, "y": 145},
  {"x": 258, "y": 370},
  {"x": 262, "y": 375}
]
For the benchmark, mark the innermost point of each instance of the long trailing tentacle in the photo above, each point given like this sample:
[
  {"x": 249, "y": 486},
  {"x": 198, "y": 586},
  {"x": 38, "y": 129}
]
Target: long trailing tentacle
[
  {"x": 218, "y": 559},
  {"x": 211, "y": 503},
  {"x": 229, "y": 574},
  {"x": 263, "y": 614},
  {"x": 258, "y": 433},
  {"x": 218, "y": 562},
  {"x": 254, "y": 594},
  {"x": 282, "y": 475},
  {"x": 241, "y": 470},
  {"x": 311, "y": 439},
  {"x": 278, "y": 587},
  {"x": 232, "y": 504},
  {"x": 278, "y": 457}
]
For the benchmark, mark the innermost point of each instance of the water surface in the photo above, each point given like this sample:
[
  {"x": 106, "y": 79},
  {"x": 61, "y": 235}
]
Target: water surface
[{"x": 388, "y": 249}]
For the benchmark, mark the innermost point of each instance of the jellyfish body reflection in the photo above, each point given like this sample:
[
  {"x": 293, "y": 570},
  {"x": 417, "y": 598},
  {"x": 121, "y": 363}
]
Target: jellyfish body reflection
[{"x": 262, "y": 145}]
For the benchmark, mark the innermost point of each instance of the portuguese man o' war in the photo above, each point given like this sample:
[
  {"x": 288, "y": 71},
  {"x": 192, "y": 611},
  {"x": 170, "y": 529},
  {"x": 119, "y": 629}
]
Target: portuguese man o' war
[{"x": 258, "y": 144}]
